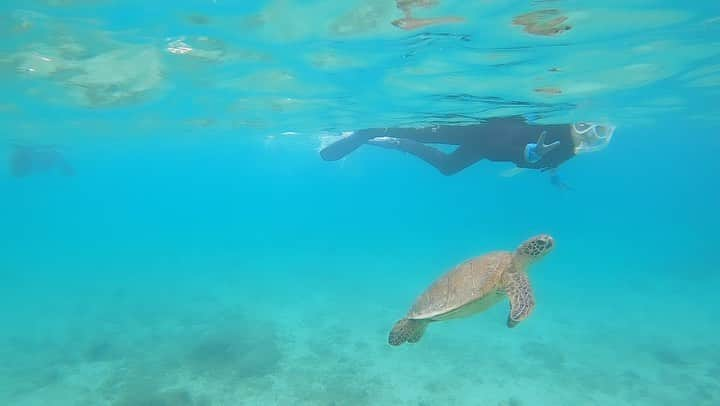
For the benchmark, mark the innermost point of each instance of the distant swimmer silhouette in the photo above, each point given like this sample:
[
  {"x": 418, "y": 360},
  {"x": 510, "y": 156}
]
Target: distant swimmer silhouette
[
  {"x": 27, "y": 160},
  {"x": 508, "y": 139}
]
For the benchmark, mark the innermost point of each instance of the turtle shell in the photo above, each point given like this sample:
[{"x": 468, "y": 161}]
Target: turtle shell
[{"x": 468, "y": 288}]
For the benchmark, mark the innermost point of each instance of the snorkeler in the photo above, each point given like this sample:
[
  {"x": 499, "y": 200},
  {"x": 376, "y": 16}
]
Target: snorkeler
[{"x": 509, "y": 139}]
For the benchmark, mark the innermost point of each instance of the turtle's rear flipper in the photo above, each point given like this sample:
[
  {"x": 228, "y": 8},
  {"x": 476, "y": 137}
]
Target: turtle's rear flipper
[
  {"x": 407, "y": 330},
  {"x": 342, "y": 147}
]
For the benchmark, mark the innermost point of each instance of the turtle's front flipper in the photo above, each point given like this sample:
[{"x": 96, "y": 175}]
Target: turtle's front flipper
[{"x": 522, "y": 301}]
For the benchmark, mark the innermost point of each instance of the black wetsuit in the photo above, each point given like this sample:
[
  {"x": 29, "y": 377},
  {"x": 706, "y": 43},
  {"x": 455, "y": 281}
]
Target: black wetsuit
[{"x": 498, "y": 139}]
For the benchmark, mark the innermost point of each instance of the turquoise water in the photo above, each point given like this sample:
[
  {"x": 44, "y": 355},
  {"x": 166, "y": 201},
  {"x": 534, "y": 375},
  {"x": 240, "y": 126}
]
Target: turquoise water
[{"x": 203, "y": 254}]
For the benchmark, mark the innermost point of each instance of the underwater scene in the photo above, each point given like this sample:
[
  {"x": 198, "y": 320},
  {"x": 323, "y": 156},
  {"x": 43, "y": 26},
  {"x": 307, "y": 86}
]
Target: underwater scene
[{"x": 359, "y": 202}]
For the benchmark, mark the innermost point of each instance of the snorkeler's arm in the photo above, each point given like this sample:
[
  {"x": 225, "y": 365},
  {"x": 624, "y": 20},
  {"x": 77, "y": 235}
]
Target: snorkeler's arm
[{"x": 558, "y": 182}]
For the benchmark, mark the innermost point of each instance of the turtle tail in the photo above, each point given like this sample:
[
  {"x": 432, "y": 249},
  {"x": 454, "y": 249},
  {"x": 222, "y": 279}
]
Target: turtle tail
[{"x": 407, "y": 330}]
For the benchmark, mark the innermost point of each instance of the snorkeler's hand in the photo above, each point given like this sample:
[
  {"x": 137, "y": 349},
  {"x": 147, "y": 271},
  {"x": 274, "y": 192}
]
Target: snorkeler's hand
[
  {"x": 543, "y": 148},
  {"x": 535, "y": 152}
]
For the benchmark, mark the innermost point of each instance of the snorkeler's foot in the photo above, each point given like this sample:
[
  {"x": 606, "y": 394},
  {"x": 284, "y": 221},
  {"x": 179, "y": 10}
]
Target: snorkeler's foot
[{"x": 342, "y": 147}]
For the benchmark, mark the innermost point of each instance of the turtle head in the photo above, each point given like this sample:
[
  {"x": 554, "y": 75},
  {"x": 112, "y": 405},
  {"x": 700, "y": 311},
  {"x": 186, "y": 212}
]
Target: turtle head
[{"x": 534, "y": 248}]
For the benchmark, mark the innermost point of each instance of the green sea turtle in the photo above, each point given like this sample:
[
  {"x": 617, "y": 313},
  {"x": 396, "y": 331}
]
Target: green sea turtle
[{"x": 474, "y": 286}]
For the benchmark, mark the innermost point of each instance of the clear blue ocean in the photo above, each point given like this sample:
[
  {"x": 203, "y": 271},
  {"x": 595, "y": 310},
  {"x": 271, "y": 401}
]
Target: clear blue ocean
[{"x": 171, "y": 236}]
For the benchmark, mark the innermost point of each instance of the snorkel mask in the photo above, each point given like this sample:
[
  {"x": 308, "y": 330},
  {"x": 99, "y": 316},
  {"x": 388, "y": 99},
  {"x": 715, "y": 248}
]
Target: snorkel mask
[{"x": 590, "y": 137}]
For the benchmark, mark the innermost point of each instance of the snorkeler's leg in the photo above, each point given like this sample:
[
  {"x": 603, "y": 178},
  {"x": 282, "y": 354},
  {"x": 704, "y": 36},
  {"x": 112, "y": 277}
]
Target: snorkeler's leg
[
  {"x": 447, "y": 164},
  {"x": 440, "y": 135},
  {"x": 449, "y": 135},
  {"x": 342, "y": 147}
]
